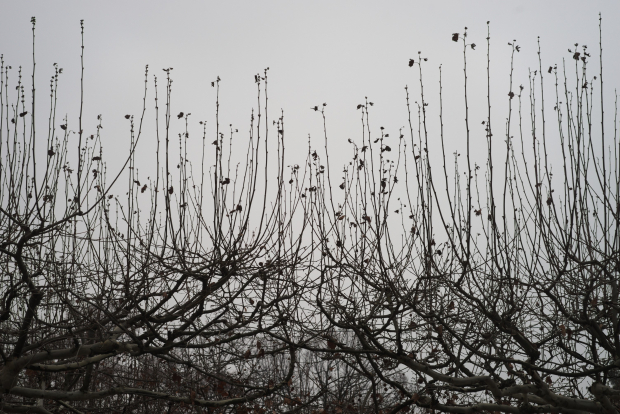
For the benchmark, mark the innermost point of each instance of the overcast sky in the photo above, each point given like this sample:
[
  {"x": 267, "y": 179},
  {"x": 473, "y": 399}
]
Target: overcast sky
[{"x": 335, "y": 52}]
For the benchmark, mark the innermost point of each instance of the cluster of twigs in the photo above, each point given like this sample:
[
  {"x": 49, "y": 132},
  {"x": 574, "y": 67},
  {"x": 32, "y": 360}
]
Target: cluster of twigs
[{"x": 402, "y": 285}]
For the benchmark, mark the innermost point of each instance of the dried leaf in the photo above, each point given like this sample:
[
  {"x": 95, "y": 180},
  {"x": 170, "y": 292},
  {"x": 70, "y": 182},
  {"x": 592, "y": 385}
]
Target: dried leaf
[{"x": 563, "y": 330}]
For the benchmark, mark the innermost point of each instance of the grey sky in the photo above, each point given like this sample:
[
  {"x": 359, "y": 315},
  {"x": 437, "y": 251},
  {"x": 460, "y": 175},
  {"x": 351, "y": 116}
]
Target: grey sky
[{"x": 336, "y": 52}]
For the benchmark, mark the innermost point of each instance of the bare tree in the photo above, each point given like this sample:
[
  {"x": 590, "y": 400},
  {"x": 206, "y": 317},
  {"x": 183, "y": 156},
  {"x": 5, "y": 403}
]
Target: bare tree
[
  {"x": 166, "y": 298},
  {"x": 489, "y": 284}
]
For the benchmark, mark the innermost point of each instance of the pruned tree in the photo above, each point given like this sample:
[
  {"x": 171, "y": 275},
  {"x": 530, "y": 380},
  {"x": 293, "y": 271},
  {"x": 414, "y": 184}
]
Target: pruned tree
[
  {"x": 489, "y": 284},
  {"x": 168, "y": 297}
]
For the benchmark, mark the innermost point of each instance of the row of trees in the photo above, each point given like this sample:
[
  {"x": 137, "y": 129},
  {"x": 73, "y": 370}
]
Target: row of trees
[{"x": 408, "y": 282}]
